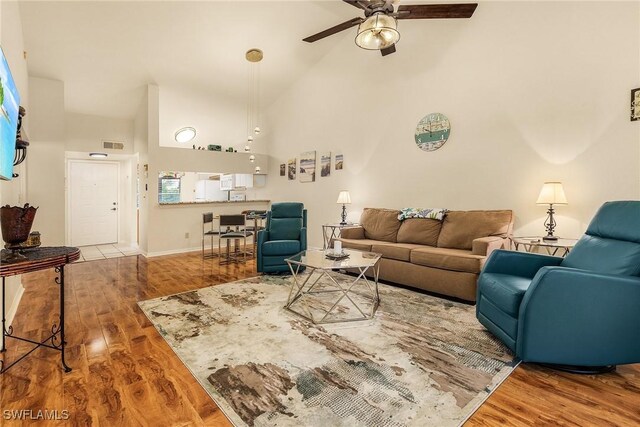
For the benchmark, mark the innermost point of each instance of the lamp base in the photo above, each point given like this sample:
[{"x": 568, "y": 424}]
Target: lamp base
[
  {"x": 343, "y": 216},
  {"x": 550, "y": 238}
]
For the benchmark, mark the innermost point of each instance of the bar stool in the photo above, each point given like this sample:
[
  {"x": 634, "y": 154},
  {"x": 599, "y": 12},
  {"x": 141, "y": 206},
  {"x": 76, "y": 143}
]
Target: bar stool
[
  {"x": 227, "y": 234},
  {"x": 207, "y": 218},
  {"x": 258, "y": 217}
]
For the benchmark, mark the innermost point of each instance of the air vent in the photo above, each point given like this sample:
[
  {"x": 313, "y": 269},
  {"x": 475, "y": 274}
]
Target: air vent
[{"x": 113, "y": 145}]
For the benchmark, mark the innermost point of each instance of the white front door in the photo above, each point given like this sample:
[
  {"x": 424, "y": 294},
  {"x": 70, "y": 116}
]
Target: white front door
[{"x": 93, "y": 202}]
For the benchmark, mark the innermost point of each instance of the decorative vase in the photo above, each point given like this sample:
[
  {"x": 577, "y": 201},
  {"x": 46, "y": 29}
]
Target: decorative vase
[{"x": 16, "y": 225}]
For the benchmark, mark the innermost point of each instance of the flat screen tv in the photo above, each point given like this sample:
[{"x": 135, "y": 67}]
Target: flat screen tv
[{"x": 9, "y": 105}]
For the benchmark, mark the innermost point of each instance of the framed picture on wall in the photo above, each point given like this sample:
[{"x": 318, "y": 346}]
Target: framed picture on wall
[
  {"x": 339, "y": 161},
  {"x": 325, "y": 164},
  {"x": 291, "y": 169},
  {"x": 308, "y": 166},
  {"x": 635, "y": 104},
  {"x": 283, "y": 167}
]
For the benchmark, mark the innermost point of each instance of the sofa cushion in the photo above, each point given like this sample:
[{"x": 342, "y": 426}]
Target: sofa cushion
[
  {"x": 459, "y": 228},
  {"x": 281, "y": 247},
  {"x": 352, "y": 232},
  {"x": 448, "y": 259},
  {"x": 358, "y": 244},
  {"x": 504, "y": 291},
  {"x": 422, "y": 231},
  {"x": 380, "y": 224},
  {"x": 399, "y": 251}
]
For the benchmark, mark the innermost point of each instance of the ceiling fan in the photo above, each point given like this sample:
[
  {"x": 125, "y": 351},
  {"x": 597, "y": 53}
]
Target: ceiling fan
[{"x": 378, "y": 29}]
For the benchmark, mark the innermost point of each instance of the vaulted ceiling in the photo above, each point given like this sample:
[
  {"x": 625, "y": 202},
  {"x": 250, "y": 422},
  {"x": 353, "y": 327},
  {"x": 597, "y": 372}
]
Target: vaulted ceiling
[{"x": 107, "y": 51}]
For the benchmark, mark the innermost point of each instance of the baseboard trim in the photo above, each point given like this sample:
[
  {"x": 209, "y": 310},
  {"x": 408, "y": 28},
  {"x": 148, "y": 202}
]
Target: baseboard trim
[
  {"x": 13, "y": 308},
  {"x": 172, "y": 252}
]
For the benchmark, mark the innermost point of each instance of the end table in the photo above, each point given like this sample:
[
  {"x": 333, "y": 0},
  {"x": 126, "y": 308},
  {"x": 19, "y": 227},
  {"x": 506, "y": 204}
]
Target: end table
[
  {"x": 552, "y": 247},
  {"x": 331, "y": 231},
  {"x": 38, "y": 259}
]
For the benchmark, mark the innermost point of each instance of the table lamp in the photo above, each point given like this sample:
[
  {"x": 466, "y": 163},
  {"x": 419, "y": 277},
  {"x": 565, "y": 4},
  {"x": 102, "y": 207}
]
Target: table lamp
[
  {"x": 551, "y": 194},
  {"x": 345, "y": 199}
]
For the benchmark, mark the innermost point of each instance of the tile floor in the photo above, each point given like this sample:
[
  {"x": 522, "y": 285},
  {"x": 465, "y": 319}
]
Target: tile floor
[{"x": 90, "y": 253}]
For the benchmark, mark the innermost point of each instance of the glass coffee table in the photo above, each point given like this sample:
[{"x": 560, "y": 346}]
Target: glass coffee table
[{"x": 320, "y": 294}]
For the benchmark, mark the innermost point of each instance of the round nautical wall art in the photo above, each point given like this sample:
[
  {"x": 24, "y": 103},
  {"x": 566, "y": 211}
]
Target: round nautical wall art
[{"x": 432, "y": 131}]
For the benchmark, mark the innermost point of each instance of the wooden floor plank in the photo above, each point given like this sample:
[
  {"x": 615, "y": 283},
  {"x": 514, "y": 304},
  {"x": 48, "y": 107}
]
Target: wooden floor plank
[{"x": 124, "y": 373}]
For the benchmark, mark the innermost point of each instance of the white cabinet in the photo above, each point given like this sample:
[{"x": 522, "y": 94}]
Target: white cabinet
[
  {"x": 244, "y": 180},
  {"x": 207, "y": 189},
  {"x": 237, "y": 180},
  {"x": 226, "y": 182}
]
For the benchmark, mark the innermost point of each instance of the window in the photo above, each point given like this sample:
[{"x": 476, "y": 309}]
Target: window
[{"x": 168, "y": 189}]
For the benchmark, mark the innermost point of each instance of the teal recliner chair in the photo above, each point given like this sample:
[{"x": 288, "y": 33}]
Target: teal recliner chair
[
  {"x": 580, "y": 313},
  {"x": 284, "y": 235}
]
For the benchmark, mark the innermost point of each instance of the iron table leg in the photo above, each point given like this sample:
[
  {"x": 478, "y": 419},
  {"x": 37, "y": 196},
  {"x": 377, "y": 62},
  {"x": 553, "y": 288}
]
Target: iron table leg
[
  {"x": 4, "y": 320},
  {"x": 60, "y": 281}
]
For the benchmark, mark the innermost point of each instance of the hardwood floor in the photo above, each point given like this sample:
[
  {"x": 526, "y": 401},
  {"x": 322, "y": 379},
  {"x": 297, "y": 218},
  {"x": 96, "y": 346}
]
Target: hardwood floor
[{"x": 125, "y": 374}]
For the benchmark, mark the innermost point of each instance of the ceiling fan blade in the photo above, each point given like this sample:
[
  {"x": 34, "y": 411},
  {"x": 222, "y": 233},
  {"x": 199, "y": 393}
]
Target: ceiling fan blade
[
  {"x": 360, "y": 4},
  {"x": 330, "y": 31},
  {"x": 389, "y": 50},
  {"x": 436, "y": 11}
]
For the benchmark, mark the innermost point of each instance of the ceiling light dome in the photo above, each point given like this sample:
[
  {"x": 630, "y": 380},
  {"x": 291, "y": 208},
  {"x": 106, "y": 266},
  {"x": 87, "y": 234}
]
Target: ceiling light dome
[
  {"x": 185, "y": 134},
  {"x": 377, "y": 32}
]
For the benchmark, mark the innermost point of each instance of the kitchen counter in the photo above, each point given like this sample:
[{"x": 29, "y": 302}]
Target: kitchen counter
[{"x": 206, "y": 202}]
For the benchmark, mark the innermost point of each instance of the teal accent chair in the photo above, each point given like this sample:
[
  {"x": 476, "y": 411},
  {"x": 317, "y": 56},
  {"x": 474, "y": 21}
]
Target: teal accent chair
[
  {"x": 580, "y": 313},
  {"x": 285, "y": 235}
]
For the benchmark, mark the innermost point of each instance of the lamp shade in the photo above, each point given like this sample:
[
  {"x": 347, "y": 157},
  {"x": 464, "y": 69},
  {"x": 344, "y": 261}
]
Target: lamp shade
[
  {"x": 378, "y": 32},
  {"x": 552, "y": 193},
  {"x": 344, "y": 198}
]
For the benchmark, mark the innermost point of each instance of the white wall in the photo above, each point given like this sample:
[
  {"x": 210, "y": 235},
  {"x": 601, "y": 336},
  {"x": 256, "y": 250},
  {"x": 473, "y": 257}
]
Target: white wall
[
  {"x": 45, "y": 161},
  {"x": 86, "y": 132},
  {"x": 57, "y": 135},
  {"x": 141, "y": 150},
  {"x": 220, "y": 121},
  {"x": 534, "y": 92},
  {"x": 14, "y": 192}
]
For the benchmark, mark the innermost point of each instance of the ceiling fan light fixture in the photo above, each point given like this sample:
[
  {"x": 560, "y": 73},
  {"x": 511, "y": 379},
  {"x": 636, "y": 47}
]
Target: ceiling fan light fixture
[{"x": 377, "y": 32}]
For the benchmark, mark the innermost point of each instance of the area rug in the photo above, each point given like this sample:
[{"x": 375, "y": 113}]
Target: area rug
[{"x": 421, "y": 361}]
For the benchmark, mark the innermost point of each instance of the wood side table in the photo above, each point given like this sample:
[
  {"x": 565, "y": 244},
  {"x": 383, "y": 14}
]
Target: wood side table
[
  {"x": 38, "y": 259},
  {"x": 552, "y": 247}
]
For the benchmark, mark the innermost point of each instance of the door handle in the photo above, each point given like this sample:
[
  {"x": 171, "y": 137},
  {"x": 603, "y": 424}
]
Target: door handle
[{"x": 114, "y": 209}]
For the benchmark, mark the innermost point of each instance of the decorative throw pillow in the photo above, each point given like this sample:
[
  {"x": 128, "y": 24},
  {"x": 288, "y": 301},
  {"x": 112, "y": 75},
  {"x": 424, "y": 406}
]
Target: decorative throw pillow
[{"x": 430, "y": 213}]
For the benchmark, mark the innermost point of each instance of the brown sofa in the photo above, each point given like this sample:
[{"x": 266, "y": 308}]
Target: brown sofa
[{"x": 438, "y": 256}]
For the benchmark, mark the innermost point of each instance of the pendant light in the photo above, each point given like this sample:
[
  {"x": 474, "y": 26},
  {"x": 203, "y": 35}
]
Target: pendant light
[{"x": 253, "y": 56}]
